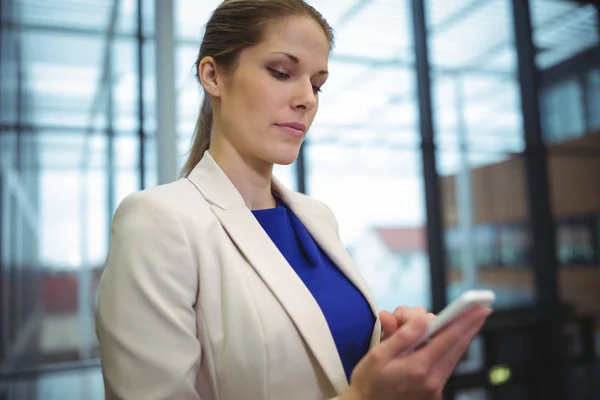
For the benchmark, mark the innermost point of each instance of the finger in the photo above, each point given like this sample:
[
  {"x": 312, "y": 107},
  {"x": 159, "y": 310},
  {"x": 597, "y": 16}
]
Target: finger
[
  {"x": 420, "y": 309},
  {"x": 389, "y": 324},
  {"x": 451, "y": 360},
  {"x": 405, "y": 337},
  {"x": 404, "y": 314},
  {"x": 451, "y": 335}
]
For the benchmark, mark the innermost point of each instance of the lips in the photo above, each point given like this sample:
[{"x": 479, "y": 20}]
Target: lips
[
  {"x": 294, "y": 125},
  {"x": 293, "y": 128}
]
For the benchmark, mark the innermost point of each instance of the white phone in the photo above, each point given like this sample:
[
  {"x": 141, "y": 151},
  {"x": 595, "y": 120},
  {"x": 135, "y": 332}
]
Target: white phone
[{"x": 455, "y": 309}]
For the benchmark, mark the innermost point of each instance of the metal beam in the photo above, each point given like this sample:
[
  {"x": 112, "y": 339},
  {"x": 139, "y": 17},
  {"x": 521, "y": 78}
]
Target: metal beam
[
  {"x": 352, "y": 12},
  {"x": 483, "y": 58},
  {"x": 399, "y": 62},
  {"x": 104, "y": 96},
  {"x": 141, "y": 96},
  {"x": 19, "y": 100},
  {"x": 577, "y": 65},
  {"x": 61, "y": 29},
  {"x": 105, "y": 76},
  {"x": 166, "y": 141},
  {"x": 544, "y": 246},
  {"x": 457, "y": 16},
  {"x": 301, "y": 168},
  {"x": 350, "y": 59},
  {"x": 41, "y": 129},
  {"x": 2, "y": 38},
  {"x": 598, "y": 17},
  {"x": 435, "y": 229},
  {"x": 110, "y": 150}
]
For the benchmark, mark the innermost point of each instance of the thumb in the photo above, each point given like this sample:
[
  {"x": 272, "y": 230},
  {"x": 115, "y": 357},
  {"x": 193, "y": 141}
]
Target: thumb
[{"x": 389, "y": 324}]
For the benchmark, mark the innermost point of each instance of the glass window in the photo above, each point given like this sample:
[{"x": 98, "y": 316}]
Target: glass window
[
  {"x": 478, "y": 121},
  {"x": 68, "y": 171},
  {"x": 592, "y": 102},
  {"x": 562, "y": 111},
  {"x": 562, "y": 29},
  {"x": 565, "y": 34},
  {"x": 362, "y": 151},
  {"x": 575, "y": 242}
]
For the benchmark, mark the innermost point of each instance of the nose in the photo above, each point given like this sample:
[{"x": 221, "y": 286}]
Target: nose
[{"x": 305, "y": 98}]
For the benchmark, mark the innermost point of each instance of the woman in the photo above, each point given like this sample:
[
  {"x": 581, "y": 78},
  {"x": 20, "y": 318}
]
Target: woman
[{"x": 226, "y": 285}]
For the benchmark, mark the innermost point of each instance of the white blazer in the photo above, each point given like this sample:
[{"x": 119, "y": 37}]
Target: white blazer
[{"x": 196, "y": 302}]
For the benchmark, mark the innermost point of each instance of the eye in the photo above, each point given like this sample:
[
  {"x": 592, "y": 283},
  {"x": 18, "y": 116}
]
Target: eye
[
  {"x": 278, "y": 75},
  {"x": 316, "y": 89}
]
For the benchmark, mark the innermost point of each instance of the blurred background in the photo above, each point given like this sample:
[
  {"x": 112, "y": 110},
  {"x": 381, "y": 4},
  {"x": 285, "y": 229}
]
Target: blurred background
[{"x": 473, "y": 124}]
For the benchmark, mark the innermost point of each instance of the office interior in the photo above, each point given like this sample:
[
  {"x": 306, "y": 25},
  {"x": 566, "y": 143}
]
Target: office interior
[{"x": 474, "y": 125}]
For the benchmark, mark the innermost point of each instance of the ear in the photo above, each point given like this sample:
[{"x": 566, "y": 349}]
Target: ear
[{"x": 209, "y": 77}]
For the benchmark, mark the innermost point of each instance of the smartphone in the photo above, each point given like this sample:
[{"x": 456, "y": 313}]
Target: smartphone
[{"x": 454, "y": 310}]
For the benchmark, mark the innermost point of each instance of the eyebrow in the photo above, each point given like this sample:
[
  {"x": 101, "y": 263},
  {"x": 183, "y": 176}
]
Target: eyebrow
[{"x": 296, "y": 60}]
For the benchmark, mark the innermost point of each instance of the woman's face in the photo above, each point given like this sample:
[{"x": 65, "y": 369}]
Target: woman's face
[{"x": 265, "y": 107}]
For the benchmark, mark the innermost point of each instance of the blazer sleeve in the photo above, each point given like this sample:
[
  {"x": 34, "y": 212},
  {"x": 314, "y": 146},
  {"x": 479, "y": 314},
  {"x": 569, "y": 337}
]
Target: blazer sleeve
[{"x": 146, "y": 322}]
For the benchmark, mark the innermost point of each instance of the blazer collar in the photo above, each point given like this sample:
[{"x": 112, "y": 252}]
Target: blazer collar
[
  {"x": 214, "y": 185},
  {"x": 245, "y": 231}
]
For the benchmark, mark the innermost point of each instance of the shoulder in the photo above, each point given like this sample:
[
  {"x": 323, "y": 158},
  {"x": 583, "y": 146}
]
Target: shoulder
[
  {"x": 317, "y": 208},
  {"x": 172, "y": 202},
  {"x": 307, "y": 201},
  {"x": 162, "y": 196}
]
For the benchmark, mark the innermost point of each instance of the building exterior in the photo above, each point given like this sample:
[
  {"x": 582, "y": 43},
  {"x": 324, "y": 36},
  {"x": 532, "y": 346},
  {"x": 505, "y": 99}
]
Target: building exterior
[{"x": 394, "y": 262}]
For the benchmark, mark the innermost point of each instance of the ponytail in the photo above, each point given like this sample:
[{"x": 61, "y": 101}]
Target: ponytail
[{"x": 201, "y": 137}]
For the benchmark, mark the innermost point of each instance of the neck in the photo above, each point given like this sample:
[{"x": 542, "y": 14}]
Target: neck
[{"x": 250, "y": 177}]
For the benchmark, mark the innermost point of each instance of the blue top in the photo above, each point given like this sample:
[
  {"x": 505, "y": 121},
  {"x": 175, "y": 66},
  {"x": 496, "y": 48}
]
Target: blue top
[{"x": 347, "y": 312}]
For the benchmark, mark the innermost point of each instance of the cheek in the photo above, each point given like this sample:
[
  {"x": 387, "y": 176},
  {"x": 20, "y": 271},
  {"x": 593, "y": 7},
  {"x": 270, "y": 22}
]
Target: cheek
[
  {"x": 313, "y": 112},
  {"x": 265, "y": 100},
  {"x": 273, "y": 92}
]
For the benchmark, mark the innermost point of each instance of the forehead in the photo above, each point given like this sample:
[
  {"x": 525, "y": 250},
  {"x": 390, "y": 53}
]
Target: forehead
[{"x": 301, "y": 36}]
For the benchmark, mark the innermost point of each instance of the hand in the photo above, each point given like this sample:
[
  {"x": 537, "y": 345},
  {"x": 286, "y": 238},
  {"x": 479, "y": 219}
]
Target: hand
[
  {"x": 384, "y": 374},
  {"x": 391, "y": 322}
]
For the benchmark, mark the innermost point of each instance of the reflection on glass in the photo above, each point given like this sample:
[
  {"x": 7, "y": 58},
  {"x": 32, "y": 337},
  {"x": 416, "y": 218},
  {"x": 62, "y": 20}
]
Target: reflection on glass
[
  {"x": 70, "y": 153},
  {"x": 568, "y": 37},
  {"x": 488, "y": 236},
  {"x": 592, "y": 100},
  {"x": 562, "y": 29},
  {"x": 361, "y": 155},
  {"x": 563, "y": 111},
  {"x": 377, "y": 197},
  {"x": 477, "y": 115}
]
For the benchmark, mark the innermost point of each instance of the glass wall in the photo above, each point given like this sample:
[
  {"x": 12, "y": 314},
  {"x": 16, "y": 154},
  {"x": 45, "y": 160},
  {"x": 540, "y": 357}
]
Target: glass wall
[
  {"x": 569, "y": 70},
  {"x": 362, "y": 153},
  {"x": 479, "y": 137},
  {"x": 77, "y": 134},
  {"x": 70, "y": 126},
  {"x": 478, "y": 122},
  {"x": 566, "y": 35}
]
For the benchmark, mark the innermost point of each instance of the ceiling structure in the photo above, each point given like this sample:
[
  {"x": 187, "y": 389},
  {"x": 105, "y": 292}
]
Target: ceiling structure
[{"x": 368, "y": 103}]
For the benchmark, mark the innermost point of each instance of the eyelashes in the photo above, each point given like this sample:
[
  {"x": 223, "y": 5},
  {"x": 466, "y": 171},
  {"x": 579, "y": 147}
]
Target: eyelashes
[
  {"x": 281, "y": 76},
  {"x": 278, "y": 75}
]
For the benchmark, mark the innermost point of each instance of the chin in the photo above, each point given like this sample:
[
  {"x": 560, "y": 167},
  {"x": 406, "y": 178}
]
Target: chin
[{"x": 285, "y": 155}]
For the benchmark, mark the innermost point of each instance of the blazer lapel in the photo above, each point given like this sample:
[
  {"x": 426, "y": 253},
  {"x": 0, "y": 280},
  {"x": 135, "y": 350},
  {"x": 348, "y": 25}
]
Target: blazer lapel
[{"x": 245, "y": 231}]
